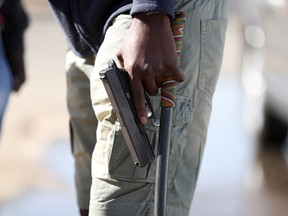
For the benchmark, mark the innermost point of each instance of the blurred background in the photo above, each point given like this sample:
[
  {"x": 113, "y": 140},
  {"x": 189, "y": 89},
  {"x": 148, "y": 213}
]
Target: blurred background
[{"x": 244, "y": 170}]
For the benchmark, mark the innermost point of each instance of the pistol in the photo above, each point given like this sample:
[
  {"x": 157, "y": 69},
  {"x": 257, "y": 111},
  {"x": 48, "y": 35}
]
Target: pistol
[{"x": 116, "y": 83}]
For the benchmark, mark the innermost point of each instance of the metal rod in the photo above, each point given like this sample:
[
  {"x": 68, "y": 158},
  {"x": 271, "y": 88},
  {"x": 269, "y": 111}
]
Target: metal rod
[{"x": 168, "y": 99}]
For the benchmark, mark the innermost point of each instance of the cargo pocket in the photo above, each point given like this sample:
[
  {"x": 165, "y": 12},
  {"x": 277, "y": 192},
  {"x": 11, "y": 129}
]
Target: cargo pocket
[
  {"x": 121, "y": 166},
  {"x": 212, "y": 44}
]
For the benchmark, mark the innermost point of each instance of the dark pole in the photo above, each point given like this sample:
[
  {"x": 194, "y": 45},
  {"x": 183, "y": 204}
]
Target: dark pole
[{"x": 168, "y": 98}]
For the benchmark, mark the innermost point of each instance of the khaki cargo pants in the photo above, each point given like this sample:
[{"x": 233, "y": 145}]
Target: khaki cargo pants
[{"x": 118, "y": 187}]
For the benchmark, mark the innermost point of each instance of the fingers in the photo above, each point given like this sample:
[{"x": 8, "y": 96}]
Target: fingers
[
  {"x": 177, "y": 73},
  {"x": 137, "y": 89},
  {"x": 148, "y": 79},
  {"x": 139, "y": 100},
  {"x": 171, "y": 72}
]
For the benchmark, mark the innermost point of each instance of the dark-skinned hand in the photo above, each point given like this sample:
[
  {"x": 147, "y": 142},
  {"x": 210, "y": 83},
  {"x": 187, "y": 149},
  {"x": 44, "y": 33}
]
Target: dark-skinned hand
[{"x": 148, "y": 54}]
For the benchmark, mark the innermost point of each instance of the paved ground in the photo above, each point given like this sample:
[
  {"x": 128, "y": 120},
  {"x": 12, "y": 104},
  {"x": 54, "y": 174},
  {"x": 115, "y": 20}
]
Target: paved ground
[{"x": 36, "y": 167}]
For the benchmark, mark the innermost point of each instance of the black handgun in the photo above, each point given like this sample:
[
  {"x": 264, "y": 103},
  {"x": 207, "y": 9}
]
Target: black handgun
[{"x": 116, "y": 83}]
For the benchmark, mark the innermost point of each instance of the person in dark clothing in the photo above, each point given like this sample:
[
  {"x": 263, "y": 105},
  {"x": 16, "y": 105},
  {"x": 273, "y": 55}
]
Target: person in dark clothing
[
  {"x": 137, "y": 35},
  {"x": 13, "y": 23}
]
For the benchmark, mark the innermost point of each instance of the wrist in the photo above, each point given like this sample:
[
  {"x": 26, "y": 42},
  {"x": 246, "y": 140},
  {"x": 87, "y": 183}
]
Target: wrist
[
  {"x": 152, "y": 13},
  {"x": 153, "y": 18}
]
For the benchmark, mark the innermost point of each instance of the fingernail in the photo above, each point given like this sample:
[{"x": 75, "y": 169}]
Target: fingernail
[{"x": 143, "y": 120}]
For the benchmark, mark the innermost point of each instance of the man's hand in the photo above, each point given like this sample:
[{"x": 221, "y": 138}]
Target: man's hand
[
  {"x": 17, "y": 64},
  {"x": 148, "y": 54}
]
